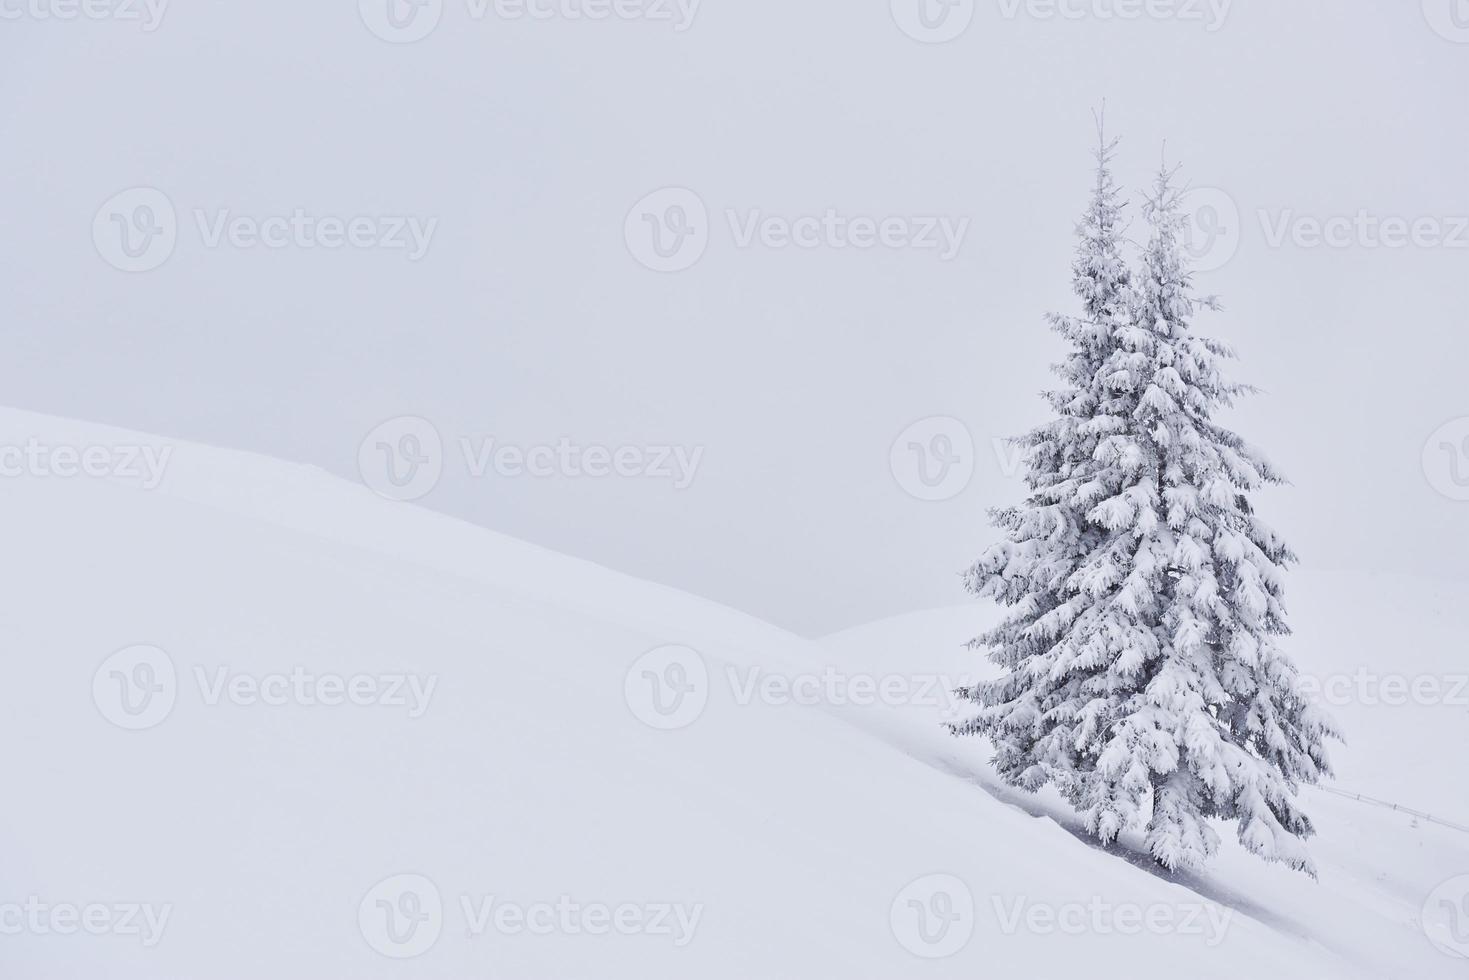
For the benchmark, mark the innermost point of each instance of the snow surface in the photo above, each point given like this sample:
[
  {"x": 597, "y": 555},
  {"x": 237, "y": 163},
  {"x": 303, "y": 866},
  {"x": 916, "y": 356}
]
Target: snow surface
[
  {"x": 794, "y": 830},
  {"x": 1378, "y": 867}
]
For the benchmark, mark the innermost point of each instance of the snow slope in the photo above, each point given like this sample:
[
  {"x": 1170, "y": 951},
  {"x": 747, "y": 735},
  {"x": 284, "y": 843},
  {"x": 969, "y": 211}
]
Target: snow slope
[
  {"x": 1378, "y": 868},
  {"x": 268, "y": 839}
]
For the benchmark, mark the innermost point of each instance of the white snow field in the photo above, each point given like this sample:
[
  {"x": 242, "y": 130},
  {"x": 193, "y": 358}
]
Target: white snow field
[{"x": 485, "y": 795}]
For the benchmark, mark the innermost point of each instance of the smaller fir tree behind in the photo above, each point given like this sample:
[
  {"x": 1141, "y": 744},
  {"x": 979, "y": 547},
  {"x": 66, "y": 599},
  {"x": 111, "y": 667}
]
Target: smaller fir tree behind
[{"x": 1141, "y": 673}]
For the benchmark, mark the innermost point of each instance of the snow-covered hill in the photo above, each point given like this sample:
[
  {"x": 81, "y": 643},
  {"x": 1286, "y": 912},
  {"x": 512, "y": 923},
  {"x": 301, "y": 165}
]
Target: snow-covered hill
[
  {"x": 259, "y": 722},
  {"x": 1381, "y": 871}
]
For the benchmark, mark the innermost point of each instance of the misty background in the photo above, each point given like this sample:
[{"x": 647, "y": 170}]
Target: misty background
[{"x": 532, "y": 317}]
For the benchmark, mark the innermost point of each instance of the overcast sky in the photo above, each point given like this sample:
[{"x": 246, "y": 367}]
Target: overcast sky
[{"x": 504, "y": 282}]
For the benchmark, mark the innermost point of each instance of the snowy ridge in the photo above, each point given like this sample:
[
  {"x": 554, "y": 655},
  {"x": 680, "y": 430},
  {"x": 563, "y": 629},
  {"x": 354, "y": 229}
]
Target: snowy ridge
[{"x": 308, "y": 500}]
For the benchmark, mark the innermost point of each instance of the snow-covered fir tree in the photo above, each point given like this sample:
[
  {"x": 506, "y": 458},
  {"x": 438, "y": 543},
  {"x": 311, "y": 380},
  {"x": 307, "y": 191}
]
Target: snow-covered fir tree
[{"x": 1141, "y": 673}]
